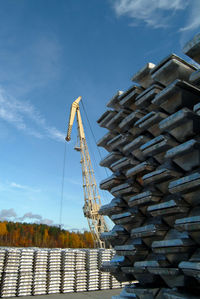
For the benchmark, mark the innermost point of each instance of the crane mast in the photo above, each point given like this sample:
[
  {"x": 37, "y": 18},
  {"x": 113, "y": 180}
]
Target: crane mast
[{"x": 92, "y": 201}]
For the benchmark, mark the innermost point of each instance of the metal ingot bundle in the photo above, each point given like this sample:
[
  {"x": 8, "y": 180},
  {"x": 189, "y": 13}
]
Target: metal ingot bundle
[
  {"x": 25, "y": 280},
  {"x": 54, "y": 271},
  {"x": 9, "y": 282},
  {"x": 81, "y": 280},
  {"x": 155, "y": 159},
  {"x": 40, "y": 272},
  {"x": 68, "y": 281},
  {"x": 25, "y": 283}
]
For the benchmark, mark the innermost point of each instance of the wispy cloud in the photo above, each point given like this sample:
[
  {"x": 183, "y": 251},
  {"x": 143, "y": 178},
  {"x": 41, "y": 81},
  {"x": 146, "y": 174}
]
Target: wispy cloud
[
  {"x": 154, "y": 13},
  {"x": 23, "y": 187},
  {"x": 25, "y": 117},
  {"x": 10, "y": 214},
  {"x": 194, "y": 17}
]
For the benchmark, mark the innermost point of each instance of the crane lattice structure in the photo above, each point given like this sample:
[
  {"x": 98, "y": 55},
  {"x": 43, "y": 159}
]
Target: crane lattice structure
[{"x": 92, "y": 201}]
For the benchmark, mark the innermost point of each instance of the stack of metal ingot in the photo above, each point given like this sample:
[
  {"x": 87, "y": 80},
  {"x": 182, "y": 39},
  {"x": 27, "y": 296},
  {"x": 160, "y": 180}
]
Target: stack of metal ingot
[
  {"x": 68, "y": 270},
  {"x": 153, "y": 142},
  {"x": 25, "y": 279},
  {"x": 92, "y": 257},
  {"x": 105, "y": 255},
  {"x": 80, "y": 271},
  {"x": 40, "y": 272},
  {"x": 9, "y": 277},
  {"x": 54, "y": 271}
]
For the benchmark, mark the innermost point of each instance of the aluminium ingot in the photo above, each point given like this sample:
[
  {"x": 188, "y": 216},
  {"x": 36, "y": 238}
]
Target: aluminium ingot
[
  {"x": 176, "y": 95},
  {"x": 157, "y": 147},
  {"x": 143, "y": 76},
  {"x": 123, "y": 164},
  {"x": 105, "y": 118},
  {"x": 176, "y": 247},
  {"x": 192, "y": 267},
  {"x": 171, "y": 68},
  {"x": 111, "y": 181},
  {"x": 133, "y": 147},
  {"x": 150, "y": 122},
  {"x": 129, "y": 121},
  {"x": 196, "y": 109},
  {"x": 134, "y": 248},
  {"x": 188, "y": 187},
  {"x": 125, "y": 189},
  {"x": 110, "y": 158},
  {"x": 118, "y": 142},
  {"x": 114, "y": 122},
  {"x": 104, "y": 140},
  {"x": 144, "y": 199},
  {"x": 144, "y": 100},
  {"x": 185, "y": 155},
  {"x": 141, "y": 169},
  {"x": 114, "y": 101},
  {"x": 170, "y": 209},
  {"x": 162, "y": 176},
  {"x": 117, "y": 205},
  {"x": 131, "y": 216},
  {"x": 150, "y": 232},
  {"x": 192, "y": 48},
  {"x": 190, "y": 224},
  {"x": 181, "y": 125},
  {"x": 173, "y": 277},
  {"x": 195, "y": 78},
  {"x": 128, "y": 101}
]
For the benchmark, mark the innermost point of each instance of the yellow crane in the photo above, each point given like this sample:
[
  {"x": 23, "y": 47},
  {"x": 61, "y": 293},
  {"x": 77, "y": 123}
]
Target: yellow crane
[{"x": 92, "y": 201}]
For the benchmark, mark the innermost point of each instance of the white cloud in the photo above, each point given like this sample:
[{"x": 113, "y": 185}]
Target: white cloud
[
  {"x": 23, "y": 187},
  {"x": 36, "y": 218},
  {"x": 25, "y": 117},
  {"x": 194, "y": 17},
  {"x": 155, "y": 13},
  {"x": 6, "y": 214}
]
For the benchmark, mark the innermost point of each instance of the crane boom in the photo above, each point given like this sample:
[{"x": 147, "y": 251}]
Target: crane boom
[{"x": 92, "y": 201}]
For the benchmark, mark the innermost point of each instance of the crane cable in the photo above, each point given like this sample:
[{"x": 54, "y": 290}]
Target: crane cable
[
  {"x": 93, "y": 135},
  {"x": 62, "y": 186},
  {"x": 103, "y": 191}
]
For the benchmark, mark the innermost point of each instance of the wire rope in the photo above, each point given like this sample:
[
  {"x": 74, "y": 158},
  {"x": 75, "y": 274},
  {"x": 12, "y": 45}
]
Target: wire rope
[{"x": 62, "y": 187}]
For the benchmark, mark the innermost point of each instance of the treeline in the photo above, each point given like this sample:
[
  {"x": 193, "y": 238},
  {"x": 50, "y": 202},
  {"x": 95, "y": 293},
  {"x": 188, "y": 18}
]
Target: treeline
[{"x": 41, "y": 235}]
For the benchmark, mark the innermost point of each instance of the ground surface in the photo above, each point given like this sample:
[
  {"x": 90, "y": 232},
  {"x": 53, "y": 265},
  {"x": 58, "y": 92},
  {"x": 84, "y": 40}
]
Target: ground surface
[{"x": 105, "y": 294}]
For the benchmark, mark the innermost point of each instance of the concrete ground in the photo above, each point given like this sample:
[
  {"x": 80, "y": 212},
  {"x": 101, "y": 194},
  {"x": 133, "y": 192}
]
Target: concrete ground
[{"x": 104, "y": 294}]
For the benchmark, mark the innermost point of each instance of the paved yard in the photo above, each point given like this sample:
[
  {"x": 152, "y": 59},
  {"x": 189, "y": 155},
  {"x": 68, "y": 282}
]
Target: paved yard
[{"x": 105, "y": 294}]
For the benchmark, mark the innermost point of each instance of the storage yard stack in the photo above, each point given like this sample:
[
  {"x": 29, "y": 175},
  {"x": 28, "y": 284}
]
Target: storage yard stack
[
  {"x": 68, "y": 270},
  {"x": 25, "y": 279},
  {"x": 154, "y": 154},
  {"x": 105, "y": 256},
  {"x": 54, "y": 271},
  {"x": 80, "y": 272},
  {"x": 40, "y": 272},
  {"x": 92, "y": 257},
  {"x": 2, "y": 260},
  {"x": 9, "y": 277}
]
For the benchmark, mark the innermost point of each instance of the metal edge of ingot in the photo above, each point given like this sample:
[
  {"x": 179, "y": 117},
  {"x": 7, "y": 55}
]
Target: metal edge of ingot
[
  {"x": 144, "y": 99},
  {"x": 143, "y": 76},
  {"x": 192, "y": 48},
  {"x": 113, "y": 102},
  {"x": 171, "y": 68},
  {"x": 185, "y": 155},
  {"x": 181, "y": 125},
  {"x": 175, "y": 96},
  {"x": 128, "y": 101},
  {"x": 195, "y": 78}
]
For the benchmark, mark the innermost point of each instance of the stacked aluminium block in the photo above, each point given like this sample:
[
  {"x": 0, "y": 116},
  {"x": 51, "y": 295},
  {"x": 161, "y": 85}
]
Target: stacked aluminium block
[{"x": 153, "y": 142}]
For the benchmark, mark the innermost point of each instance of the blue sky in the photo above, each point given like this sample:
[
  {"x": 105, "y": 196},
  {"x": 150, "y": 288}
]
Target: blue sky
[{"x": 51, "y": 52}]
